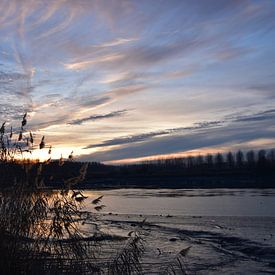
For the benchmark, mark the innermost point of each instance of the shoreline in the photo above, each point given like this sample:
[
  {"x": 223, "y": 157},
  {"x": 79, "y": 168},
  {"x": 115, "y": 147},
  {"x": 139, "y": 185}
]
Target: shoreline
[{"x": 181, "y": 183}]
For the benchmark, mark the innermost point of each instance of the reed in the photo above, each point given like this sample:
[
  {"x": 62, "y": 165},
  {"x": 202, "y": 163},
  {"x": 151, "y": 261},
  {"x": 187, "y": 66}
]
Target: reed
[{"x": 40, "y": 230}]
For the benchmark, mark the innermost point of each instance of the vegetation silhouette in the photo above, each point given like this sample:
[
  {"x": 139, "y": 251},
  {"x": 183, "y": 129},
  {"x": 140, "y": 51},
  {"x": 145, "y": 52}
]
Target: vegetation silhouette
[
  {"x": 251, "y": 169},
  {"x": 40, "y": 228}
]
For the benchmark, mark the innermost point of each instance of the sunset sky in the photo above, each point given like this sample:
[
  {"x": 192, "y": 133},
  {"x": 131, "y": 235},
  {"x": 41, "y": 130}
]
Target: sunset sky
[{"x": 120, "y": 80}]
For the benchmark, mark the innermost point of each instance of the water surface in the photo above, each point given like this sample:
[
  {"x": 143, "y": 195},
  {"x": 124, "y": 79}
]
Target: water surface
[{"x": 197, "y": 202}]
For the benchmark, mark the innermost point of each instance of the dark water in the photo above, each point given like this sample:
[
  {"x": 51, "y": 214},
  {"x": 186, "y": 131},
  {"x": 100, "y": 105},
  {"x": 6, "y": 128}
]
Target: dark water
[{"x": 202, "y": 202}]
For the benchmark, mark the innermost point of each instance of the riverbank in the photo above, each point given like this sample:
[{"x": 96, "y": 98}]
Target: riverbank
[{"x": 176, "y": 182}]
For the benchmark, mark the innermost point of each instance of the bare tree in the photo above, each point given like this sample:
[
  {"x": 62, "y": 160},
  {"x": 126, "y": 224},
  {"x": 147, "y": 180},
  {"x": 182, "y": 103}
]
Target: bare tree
[
  {"x": 230, "y": 160},
  {"x": 239, "y": 159}
]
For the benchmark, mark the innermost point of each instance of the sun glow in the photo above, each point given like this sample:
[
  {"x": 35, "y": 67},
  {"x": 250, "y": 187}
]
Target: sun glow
[{"x": 56, "y": 153}]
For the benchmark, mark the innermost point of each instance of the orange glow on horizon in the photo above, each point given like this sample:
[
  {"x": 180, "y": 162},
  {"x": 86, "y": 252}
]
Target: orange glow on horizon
[{"x": 190, "y": 153}]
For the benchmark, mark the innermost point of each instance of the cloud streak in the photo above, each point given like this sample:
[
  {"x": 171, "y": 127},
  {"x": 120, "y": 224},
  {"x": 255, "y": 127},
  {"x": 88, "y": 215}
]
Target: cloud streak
[
  {"x": 238, "y": 129},
  {"x": 98, "y": 117},
  {"x": 156, "y": 134},
  {"x": 174, "y": 63},
  {"x": 168, "y": 144}
]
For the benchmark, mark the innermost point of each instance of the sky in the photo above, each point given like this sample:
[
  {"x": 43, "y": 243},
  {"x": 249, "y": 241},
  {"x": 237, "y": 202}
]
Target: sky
[{"x": 121, "y": 81}]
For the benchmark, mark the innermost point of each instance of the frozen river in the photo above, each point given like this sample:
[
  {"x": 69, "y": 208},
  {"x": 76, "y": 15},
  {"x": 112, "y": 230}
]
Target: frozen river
[
  {"x": 229, "y": 231},
  {"x": 202, "y": 202}
]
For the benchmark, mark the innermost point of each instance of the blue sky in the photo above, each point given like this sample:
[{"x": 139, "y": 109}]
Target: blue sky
[{"x": 122, "y": 80}]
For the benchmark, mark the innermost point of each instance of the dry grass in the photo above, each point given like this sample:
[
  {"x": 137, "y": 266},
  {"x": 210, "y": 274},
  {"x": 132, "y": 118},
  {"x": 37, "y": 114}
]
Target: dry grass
[
  {"x": 39, "y": 228},
  {"x": 127, "y": 261}
]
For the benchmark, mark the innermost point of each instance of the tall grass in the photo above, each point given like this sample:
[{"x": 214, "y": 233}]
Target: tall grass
[{"x": 40, "y": 229}]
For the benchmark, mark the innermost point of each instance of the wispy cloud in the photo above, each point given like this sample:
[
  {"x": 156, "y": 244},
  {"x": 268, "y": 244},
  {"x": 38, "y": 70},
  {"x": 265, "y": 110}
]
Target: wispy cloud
[
  {"x": 267, "y": 89},
  {"x": 147, "y": 136},
  {"x": 84, "y": 64},
  {"x": 227, "y": 52},
  {"x": 98, "y": 117},
  {"x": 173, "y": 62},
  {"x": 6, "y": 77},
  {"x": 116, "y": 42},
  {"x": 231, "y": 130},
  {"x": 265, "y": 115},
  {"x": 228, "y": 135}
]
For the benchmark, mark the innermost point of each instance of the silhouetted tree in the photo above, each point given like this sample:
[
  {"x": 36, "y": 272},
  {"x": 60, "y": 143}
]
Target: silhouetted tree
[
  {"x": 230, "y": 160},
  {"x": 250, "y": 158},
  {"x": 190, "y": 162},
  {"x": 219, "y": 160},
  {"x": 262, "y": 159},
  {"x": 178, "y": 162},
  {"x": 199, "y": 160},
  {"x": 239, "y": 159},
  {"x": 209, "y": 160},
  {"x": 271, "y": 157}
]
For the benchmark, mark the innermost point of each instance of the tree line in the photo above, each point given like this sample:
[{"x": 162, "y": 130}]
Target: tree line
[
  {"x": 239, "y": 159},
  {"x": 254, "y": 167}
]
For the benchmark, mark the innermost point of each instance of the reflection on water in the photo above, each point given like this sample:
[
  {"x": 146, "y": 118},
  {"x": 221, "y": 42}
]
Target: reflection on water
[{"x": 204, "y": 202}]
